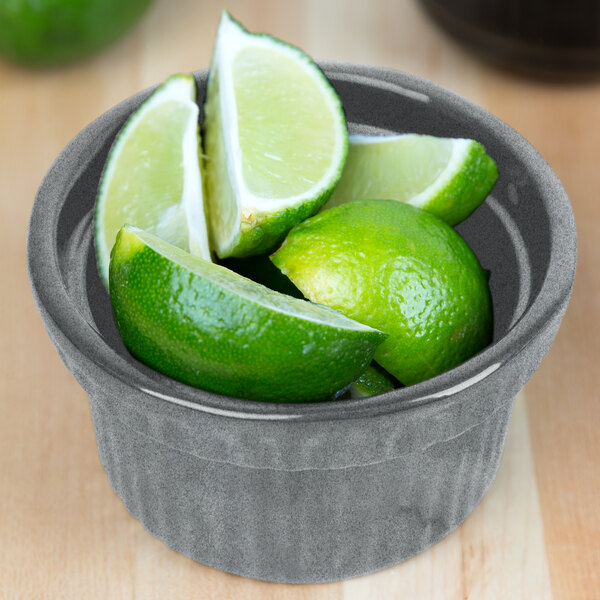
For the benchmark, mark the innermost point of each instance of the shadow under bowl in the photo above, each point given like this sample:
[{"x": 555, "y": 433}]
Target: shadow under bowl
[{"x": 312, "y": 492}]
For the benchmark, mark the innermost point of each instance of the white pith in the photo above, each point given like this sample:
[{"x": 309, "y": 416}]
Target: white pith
[
  {"x": 192, "y": 196},
  {"x": 231, "y": 39},
  {"x": 460, "y": 150}
]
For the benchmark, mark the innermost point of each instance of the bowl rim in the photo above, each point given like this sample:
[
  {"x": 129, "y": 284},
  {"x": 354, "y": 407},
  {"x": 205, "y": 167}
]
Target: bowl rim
[{"x": 51, "y": 295}]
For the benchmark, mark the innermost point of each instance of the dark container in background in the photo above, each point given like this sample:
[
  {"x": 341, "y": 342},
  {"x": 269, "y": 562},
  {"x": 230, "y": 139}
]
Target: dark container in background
[{"x": 550, "y": 37}]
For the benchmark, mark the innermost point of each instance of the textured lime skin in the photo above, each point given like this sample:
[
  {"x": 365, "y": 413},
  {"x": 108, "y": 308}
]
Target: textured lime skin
[
  {"x": 372, "y": 382},
  {"x": 259, "y": 231},
  {"x": 398, "y": 269},
  {"x": 201, "y": 324},
  {"x": 372, "y": 171},
  {"x": 49, "y": 32}
]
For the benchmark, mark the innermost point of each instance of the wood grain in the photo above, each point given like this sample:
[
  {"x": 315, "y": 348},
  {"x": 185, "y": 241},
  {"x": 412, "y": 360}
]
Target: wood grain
[
  {"x": 564, "y": 406},
  {"x": 65, "y": 534}
]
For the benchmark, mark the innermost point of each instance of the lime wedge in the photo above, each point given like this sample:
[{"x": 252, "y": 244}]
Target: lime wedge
[
  {"x": 206, "y": 326},
  {"x": 449, "y": 177},
  {"x": 374, "y": 381},
  {"x": 275, "y": 139},
  {"x": 152, "y": 176}
]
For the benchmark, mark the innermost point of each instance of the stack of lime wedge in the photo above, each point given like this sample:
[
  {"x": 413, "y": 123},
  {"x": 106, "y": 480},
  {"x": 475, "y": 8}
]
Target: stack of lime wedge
[{"x": 274, "y": 152}]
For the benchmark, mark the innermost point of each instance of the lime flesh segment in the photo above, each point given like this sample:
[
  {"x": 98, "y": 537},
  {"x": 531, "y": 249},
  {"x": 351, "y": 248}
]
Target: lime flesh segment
[
  {"x": 290, "y": 151},
  {"x": 449, "y": 177},
  {"x": 206, "y": 326},
  {"x": 152, "y": 177},
  {"x": 401, "y": 270},
  {"x": 275, "y": 140}
]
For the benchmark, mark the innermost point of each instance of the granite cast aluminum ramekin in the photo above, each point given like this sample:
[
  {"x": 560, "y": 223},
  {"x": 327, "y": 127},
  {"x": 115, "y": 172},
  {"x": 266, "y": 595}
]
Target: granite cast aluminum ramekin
[{"x": 312, "y": 492}]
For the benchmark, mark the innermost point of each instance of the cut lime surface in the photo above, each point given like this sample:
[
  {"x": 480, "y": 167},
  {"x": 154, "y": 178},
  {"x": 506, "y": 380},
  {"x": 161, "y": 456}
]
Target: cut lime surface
[
  {"x": 275, "y": 140},
  {"x": 401, "y": 270},
  {"x": 206, "y": 326},
  {"x": 449, "y": 177},
  {"x": 152, "y": 177}
]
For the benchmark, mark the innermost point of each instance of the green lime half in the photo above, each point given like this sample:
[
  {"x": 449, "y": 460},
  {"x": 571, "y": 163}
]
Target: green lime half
[
  {"x": 401, "y": 270},
  {"x": 152, "y": 177},
  {"x": 449, "y": 177},
  {"x": 275, "y": 140},
  {"x": 206, "y": 326}
]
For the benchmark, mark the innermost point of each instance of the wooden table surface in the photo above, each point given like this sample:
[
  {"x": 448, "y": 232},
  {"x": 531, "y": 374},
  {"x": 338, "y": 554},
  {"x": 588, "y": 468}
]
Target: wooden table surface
[{"x": 65, "y": 534}]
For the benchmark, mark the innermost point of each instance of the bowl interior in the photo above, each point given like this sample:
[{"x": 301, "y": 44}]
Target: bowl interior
[{"x": 510, "y": 233}]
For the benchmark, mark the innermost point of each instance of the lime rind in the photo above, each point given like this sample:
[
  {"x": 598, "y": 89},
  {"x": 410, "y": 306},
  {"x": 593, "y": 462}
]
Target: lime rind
[
  {"x": 465, "y": 183},
  {"x": 184, "y": 219},
  {"x": 255, "y": 224},
  {"x": 455, "y": 192},
  {"x": 206, "y": 326}
]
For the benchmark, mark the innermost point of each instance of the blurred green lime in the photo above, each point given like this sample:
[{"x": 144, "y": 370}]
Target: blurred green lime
[{"x": 50, "y": 32}]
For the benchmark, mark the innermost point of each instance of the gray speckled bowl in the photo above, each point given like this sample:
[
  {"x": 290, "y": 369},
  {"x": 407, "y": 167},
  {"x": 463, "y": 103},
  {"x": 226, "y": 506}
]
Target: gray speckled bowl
[{"x": 318, "y": 492}]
